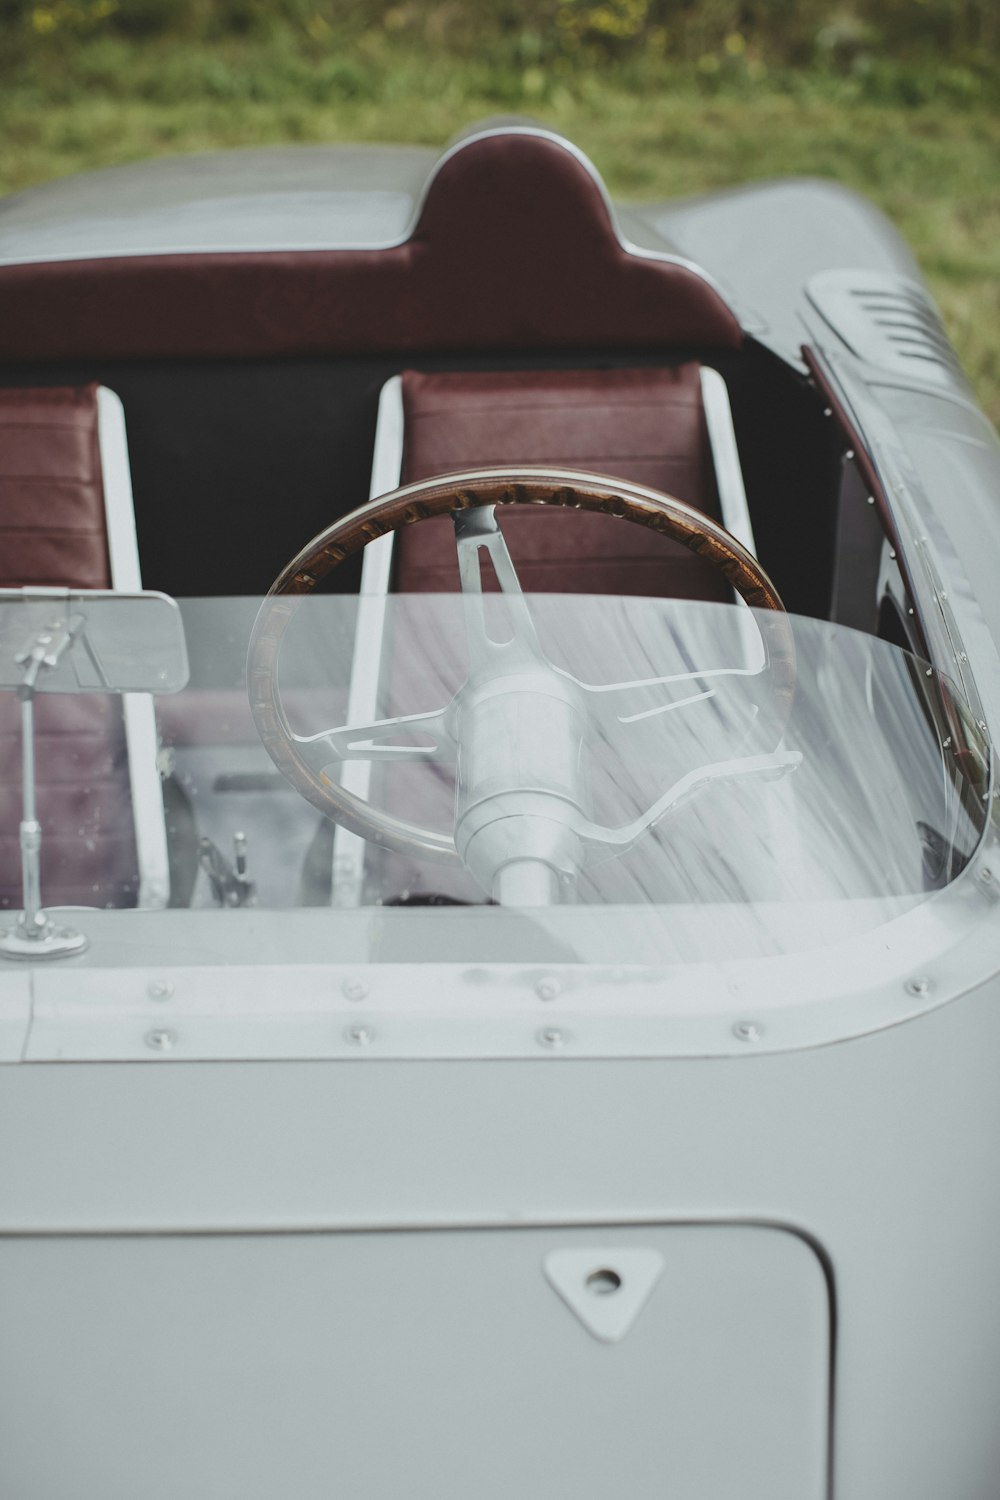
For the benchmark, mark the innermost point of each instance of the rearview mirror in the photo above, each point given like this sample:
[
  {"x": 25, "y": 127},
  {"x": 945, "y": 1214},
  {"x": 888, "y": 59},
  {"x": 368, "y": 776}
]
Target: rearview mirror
[{"x": 93, "y": 641}]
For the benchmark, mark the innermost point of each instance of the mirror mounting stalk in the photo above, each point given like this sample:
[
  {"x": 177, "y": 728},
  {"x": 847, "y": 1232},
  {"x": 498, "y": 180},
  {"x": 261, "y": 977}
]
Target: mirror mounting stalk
[{"x": 35, "y": 935}]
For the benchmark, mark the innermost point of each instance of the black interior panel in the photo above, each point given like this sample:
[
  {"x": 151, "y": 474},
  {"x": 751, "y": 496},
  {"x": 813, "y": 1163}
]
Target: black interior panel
[{"x": 236, "y": 464}]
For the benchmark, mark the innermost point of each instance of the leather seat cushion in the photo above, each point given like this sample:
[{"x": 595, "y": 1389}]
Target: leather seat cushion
[
  {"x": 646, "y": 426},
  {"x": 53, "y": 532},
  {"x": 52, "y": 527}
]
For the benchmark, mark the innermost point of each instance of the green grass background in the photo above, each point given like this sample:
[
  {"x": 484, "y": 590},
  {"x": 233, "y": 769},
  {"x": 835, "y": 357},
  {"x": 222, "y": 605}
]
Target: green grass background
[{"x": 897, "y": 98}]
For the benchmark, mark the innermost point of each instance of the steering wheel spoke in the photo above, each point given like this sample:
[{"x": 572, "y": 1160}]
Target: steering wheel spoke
[
  {"x": 614, "y": 841},
  {"x": 478, "y": 531},
  {"x": 630, "y": 702},
  {"x": 410, "y": 737}
]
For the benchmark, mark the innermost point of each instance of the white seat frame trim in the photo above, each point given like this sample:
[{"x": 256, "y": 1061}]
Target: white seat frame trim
[
  {"x": 369, "y": 633},
  {"x": 726, "y": 458},
  {"x": 141, "y": 739}
]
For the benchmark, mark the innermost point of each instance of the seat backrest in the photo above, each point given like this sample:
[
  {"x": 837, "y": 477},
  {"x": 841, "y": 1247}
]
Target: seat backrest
[
  {"x": 52, "y": 525},
  {"x": 643, "y": 425},
  {"x": 63, "y": 472}
]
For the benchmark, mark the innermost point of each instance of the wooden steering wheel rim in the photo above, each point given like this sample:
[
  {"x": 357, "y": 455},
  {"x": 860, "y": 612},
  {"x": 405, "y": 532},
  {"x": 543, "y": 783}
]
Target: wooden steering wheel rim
[{"x": 443, "y": 495}]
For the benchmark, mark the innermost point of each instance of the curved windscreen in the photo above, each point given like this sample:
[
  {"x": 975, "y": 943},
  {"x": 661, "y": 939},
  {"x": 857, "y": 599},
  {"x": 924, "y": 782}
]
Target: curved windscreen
[{"x": 641, "y": 780}]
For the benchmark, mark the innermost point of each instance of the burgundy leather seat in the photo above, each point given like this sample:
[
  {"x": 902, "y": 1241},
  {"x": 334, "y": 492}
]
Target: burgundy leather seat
[
  {"x": 53, "y": 532},
  {"x": 644, "y": 425},
  {"x": 647, "y": 426}
]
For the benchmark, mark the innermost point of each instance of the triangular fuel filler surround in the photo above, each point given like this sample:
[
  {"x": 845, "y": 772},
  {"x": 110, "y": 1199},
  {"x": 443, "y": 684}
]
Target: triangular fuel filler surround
[{"x": 605, "y": 1287}]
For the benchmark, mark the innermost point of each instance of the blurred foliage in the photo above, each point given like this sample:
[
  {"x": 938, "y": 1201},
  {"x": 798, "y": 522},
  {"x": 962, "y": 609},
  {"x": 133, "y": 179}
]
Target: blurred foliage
[
  {"x": 897, "y": 98},
  {"x": 906, "y": 52},
  {"x": 841, "y": 35}
]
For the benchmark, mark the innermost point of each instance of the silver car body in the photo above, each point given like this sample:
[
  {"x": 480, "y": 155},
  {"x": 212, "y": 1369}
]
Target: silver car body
[{"x": 354, "y": 1201}]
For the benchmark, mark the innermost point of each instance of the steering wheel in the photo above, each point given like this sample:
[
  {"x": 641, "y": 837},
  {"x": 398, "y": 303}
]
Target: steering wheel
[{"x": 469, "y": 498}]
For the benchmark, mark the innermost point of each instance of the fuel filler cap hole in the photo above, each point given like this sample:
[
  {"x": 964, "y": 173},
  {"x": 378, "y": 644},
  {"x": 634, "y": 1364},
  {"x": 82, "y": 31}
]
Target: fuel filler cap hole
[{"x": 604, "y": 1282}]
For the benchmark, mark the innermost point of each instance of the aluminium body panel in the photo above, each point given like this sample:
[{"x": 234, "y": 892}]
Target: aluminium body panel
[
  {"x": 880, "y": 1151},
  {"x": 306, "y": 197},
  {"x": 764, "y": 241},
  {"x": 429, "y": 1364}
]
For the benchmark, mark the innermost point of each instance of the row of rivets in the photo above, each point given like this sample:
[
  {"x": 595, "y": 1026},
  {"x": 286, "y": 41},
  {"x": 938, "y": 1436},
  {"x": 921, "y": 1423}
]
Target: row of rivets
[
  {"x": 554, "y": 1038},
  {"x": 545, "y": 989},
  {"x": 356, "y": 989},
  {"x": 551, "y": 1037}
]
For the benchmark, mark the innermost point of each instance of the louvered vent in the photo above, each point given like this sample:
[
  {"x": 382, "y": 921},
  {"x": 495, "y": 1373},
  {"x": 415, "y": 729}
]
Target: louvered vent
[{"x": 887, "y": 321}]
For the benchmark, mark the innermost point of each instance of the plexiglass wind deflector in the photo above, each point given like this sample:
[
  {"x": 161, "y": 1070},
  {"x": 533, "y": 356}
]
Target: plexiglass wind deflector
[{"x": 746, "y": 842}]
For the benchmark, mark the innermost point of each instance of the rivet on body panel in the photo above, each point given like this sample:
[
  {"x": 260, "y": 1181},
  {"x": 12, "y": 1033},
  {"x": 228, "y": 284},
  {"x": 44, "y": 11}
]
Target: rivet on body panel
[{"x": 161, "y": 1040}]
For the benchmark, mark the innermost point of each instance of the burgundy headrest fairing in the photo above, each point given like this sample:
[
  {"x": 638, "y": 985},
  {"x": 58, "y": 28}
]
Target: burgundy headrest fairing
[{"x": 514, "y": 248}]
